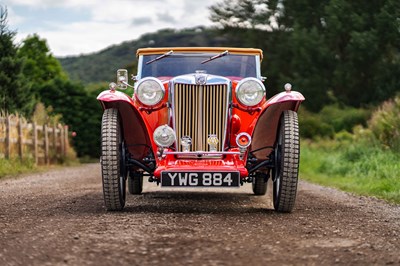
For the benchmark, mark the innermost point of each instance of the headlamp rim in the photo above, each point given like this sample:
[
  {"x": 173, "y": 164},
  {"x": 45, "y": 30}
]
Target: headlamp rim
[
  {"x": 239, "y": 85},
  {"x": 141, "y": 81}
]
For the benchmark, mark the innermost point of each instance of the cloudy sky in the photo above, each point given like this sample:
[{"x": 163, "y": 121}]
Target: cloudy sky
[{"x": 73, "y": 27}]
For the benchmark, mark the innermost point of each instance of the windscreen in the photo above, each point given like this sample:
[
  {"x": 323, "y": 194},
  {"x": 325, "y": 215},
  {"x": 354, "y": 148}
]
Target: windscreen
[{"x": 231, "y": 65}]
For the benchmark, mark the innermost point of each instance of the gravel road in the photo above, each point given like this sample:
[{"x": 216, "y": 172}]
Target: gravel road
[{"x": 58, "y": 218}]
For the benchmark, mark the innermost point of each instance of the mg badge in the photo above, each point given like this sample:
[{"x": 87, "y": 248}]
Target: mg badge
[{"x": 200, "y": 77}]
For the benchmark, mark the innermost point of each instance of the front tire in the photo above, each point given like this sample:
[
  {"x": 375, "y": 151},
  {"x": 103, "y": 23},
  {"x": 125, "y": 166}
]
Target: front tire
[
  {"x": 112, "y": 151},
  {"x": 287, "y": 157}
]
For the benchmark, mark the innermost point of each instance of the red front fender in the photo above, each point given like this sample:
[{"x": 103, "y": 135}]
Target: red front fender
[
  {"x": 113, "y": 96},
  {"x": 266, "y": 126},
  {"x": 135, "y": 127},
  {"x": 292, "y": 96}
]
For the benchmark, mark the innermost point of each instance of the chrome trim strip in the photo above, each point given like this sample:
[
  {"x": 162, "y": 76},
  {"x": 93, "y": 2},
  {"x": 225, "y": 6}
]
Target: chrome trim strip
[
  {"x": 258, "y": 67},
  {"x": 171, "y": 98},
  {"x": 171, "y": 108},
  {"x": 228, "y": 116},
  {"x": 139, "y": 68},
  {"x": 200, "y": 136}
]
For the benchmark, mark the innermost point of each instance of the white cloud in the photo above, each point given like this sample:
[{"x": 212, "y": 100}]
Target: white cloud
[
  {"x": 105, "y": 22},
  {"x": 85, "y": 37},
  {"x": 43, "y": 4},
  {"x": 13, "y": 18},
  {"x": 139, "y": 21}
]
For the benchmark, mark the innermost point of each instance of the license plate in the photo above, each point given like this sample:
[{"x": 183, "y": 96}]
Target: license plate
[{"x": 200, "y": 179}]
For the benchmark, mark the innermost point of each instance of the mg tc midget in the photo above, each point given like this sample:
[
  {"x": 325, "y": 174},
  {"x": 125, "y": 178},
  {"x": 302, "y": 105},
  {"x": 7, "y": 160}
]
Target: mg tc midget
[{"x": 199, "y": 117}]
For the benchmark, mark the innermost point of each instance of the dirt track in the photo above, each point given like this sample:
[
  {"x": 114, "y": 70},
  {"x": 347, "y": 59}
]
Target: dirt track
[{"x": 58, "y": 218}]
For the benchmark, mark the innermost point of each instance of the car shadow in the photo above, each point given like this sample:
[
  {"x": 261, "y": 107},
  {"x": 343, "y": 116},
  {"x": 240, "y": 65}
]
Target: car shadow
[
  {"x": 166, "y": 202},
  {"x": 196, "y": 203}
]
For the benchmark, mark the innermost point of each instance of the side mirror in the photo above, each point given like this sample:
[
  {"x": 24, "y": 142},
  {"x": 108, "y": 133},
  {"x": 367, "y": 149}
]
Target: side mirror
[{"x": 122, "y": 79}]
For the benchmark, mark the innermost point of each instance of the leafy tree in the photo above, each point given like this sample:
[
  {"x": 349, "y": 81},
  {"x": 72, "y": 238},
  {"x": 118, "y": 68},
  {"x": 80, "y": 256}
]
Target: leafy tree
[
  {"x": 333, "y": 49},
  {"x": 40, "y": 65},
  {"x": 15, "y": 95},
  {"x": 365, "y": 45},
  {"x": 63, "y": 100},
  {"x": 304, "y": 13},
  {"x": 80, "y": 110}
]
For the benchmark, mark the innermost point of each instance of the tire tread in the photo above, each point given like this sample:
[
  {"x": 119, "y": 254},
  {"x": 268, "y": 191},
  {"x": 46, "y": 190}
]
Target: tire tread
[
  {"x": 290, "y": 162},
  {"x": 110, "y": 160}
]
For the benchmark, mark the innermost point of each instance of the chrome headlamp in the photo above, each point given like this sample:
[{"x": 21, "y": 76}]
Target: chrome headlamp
[
  {"x": 250, "y": 91},
  {"x": 149, "y": 91}
]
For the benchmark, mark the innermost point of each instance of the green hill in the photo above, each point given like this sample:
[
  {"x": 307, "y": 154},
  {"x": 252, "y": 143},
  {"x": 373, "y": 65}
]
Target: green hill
[{"x": 101, "y": 66}]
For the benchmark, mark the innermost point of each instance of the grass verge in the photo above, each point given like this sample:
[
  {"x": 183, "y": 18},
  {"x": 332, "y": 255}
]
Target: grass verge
[
  {"x": 355, "y": 167},
  {"x": 14, "y": 167}
]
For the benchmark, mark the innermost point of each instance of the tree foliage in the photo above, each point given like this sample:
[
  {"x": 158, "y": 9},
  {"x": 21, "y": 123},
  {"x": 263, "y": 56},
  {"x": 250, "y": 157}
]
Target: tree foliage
[
  {"x": 15, "y": 93},
  {"x": 385, "y": 124},
  {"x": 40, "y": 65},
  {"x": 80, "y": 110},
  {"x": 342, "y": 50}
]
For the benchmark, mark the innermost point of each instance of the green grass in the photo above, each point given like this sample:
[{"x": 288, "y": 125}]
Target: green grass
[
  {"x": 14, "y": 167},
  {"x": 354, "y": 167}
]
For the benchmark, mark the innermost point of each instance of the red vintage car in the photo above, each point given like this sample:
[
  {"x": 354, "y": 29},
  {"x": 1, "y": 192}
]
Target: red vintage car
[{"x": 199, "y": 117}]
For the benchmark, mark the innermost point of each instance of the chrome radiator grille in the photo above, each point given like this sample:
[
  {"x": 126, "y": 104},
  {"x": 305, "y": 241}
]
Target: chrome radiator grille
[{"x": 200, "y": 110}]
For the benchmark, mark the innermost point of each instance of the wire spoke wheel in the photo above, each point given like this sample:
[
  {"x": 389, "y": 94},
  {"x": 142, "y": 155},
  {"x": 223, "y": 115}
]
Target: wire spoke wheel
[
  {"x": 113, "y": 161},
  {"x": 287, "y": 157}
]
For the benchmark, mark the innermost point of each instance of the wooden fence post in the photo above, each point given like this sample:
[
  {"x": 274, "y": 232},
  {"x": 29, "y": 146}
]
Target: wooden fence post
[
  {"x": 62, "y": 140},
  {"x": 20, "y": 139},
  {"x": 46, "y": 144},
  {"x": 66, "y": 139},
  {"x": 35, "y": 143},
  {"x": 54, "y": 142},
  {"x": 8, "y": 136}
]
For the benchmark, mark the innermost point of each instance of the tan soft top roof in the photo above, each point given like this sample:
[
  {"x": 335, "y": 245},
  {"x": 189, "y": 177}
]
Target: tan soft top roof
[{"x": 161, "y": 50}]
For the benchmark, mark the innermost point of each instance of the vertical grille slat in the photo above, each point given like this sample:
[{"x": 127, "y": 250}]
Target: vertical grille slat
[{"x": 200, "y": 110}]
